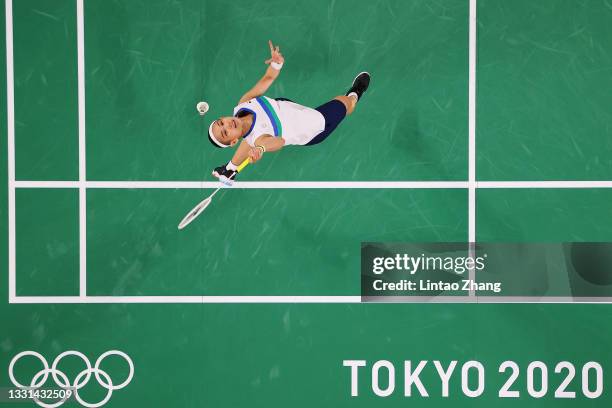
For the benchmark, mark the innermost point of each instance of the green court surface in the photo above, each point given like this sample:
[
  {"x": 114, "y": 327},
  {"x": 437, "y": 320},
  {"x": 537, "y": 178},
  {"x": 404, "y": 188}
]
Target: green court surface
[
  {"x": 543, "y": 81},
  {"x": 311, "y": 248},
  {"x": 148, "y": 63},
  {"x": 542, "y": 113}
]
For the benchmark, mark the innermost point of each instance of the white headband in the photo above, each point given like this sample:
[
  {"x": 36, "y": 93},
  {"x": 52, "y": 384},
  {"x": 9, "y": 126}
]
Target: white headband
[{"x": 213, "y": 138}]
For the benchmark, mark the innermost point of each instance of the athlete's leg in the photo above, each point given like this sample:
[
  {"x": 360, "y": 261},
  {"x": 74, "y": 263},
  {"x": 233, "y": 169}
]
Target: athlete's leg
[
  {"x": 360, "y": 85},
  {"x": 337, "y": 109},
  {"x": 349, "y": 102},
  {"x": 333, "y": 112}
]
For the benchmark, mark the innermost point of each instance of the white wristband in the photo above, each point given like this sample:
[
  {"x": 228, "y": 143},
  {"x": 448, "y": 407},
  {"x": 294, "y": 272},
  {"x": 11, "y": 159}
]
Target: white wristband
[
  {"x": 276, "y": 65},
  {"x": 231, "y": 166}
]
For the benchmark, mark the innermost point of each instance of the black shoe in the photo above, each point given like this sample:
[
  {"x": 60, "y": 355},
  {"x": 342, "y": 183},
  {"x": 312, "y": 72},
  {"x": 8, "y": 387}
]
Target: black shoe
[
  {"x": 222, "y": 172},
  {"x": 360, "y": 84}
]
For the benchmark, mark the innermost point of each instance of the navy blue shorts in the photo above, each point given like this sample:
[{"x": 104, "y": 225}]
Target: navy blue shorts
[{"x": 333, "y": 112}]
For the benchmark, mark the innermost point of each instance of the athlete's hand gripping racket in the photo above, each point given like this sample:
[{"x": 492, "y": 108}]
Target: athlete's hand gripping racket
[{"x": 197, "y": 210}]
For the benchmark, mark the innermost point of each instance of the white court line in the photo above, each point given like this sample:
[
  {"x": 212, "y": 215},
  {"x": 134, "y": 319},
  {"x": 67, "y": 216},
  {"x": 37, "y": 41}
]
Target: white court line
[
  {"x": 47, "y": 184},
  {"x": 560, "y": 184},
  {"x": 247, "y": 184},
  {"x": 301, "y": 299},
  {"x": 10, "y": 123},
  {"x": 472, "y": 125},
  {"x": 82, "y": 152},
  {"x": 472, "y": 140},
  {"x": 186, "y": 299},
  {"x": 545, "y": 184}
]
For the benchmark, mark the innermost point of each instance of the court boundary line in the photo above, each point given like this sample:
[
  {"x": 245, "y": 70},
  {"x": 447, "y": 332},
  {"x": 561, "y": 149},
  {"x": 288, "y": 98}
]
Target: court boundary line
[
  {"x": 10, "y": 122},
  {"x": 472, "y": 138},
  {"x": 407, "y": 185},
  {"x": 472, "y": 124},
  {"x": 472, "y": 185},
  {"x": 300, "y": 299},
  {"x": 82, "y": 152},
  {"x": 243, "y": 184}
]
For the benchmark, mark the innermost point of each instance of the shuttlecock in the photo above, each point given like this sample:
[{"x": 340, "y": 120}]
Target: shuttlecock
[{"x": 202, "y": 108}]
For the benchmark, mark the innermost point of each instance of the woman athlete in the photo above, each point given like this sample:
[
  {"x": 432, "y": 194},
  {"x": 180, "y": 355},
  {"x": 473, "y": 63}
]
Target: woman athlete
[{"x": 262, "y": 124}]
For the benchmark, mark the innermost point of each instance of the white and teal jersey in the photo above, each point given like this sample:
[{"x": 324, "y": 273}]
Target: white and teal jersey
[{"x": 295, "y": 123}]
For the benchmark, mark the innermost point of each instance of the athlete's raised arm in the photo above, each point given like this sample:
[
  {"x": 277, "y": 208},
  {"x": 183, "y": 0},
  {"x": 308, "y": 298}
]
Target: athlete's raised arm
[
  {"x": 275, "y": 63},
  {"x": 264, "y": 143},
  {"x": 241, "y": 153}
]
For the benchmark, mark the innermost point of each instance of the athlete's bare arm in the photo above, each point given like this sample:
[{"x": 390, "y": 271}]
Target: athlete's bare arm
[
  {"x": 271, "y": 74},
  {"x": 269, "y": 143},
  {"x": 242, "y": 152}
]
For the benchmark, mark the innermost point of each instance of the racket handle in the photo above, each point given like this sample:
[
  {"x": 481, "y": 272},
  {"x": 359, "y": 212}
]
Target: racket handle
[{"x": 243, "y": 165}]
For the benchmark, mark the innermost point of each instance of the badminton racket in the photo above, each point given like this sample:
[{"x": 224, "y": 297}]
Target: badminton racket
[{"x": 198, "y": 209}]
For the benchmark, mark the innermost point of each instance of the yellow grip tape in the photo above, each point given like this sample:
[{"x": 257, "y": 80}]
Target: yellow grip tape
[{"x": 243, "y": 165}]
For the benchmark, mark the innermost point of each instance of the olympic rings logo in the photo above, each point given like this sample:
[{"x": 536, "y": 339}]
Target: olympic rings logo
[{"x": 80, "y": 381}]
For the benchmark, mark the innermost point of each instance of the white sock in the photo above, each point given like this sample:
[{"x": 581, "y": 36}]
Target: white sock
[
  {"x": 231, "y": 166},
  {"x": 354, "y": 95}
]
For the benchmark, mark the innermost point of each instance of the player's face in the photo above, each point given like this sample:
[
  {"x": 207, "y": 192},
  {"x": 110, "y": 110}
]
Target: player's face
[{"x": 227, "y": 130}]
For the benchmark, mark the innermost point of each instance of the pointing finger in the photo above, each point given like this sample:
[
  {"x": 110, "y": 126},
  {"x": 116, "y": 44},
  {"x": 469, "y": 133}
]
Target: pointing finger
[{"x": 271, "y": 46}]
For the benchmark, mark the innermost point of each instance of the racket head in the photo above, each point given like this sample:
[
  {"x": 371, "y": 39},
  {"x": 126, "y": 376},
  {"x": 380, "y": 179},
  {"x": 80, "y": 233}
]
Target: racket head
[{"x": 193, "y": 214}]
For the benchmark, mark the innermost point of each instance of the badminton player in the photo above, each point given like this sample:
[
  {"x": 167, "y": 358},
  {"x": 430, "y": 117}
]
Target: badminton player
[{"x": 261, "y": 124}]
